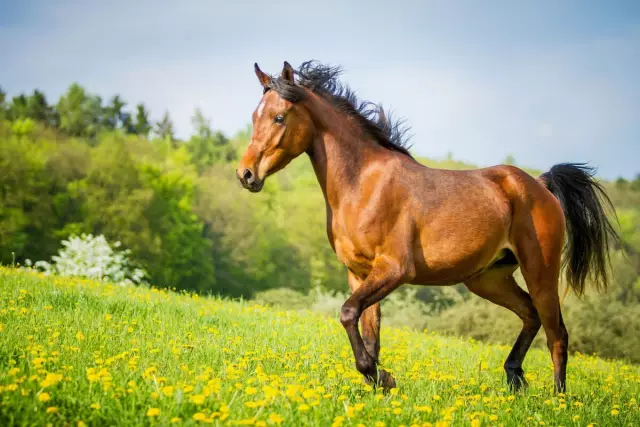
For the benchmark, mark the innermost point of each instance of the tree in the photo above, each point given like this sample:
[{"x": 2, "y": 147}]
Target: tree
[
  {"x": 201, "y": 124},
  {"x": 635, "y": 184},
  {"x": 72, "y": 111},
  {"x": 127, "y": 125},
  {"x": 164, "y": 128},
  {"x": 18, "y": 108},
  {"x": 142, "y": 126},
  {"x": 3, "y": 107},
  {"x": 93, "y": 111},
  {"x": 207, "y": 147},
  {"x": 113, "y": 113},
  {"x": 38, "y": 108}
]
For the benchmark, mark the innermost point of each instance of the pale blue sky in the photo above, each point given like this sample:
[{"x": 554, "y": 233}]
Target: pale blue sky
[{"x": 545, "y": 81}]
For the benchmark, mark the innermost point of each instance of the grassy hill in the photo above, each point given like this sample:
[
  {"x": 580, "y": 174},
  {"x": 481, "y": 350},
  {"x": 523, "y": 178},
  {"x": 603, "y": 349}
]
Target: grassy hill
[{"x": 76, "y": 352}]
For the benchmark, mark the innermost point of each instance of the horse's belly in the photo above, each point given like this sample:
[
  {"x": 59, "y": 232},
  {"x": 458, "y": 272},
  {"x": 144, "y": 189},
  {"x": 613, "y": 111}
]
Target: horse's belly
[{"x": 457, "y": 256}]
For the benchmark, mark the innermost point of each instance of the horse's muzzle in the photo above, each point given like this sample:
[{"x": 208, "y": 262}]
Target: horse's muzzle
[{"x": 249, "y": 180}]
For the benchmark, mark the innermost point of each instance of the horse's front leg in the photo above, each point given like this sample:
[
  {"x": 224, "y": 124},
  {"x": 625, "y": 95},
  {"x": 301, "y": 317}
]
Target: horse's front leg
[
  {"x": 369, "y": 321},
  {"x": 386, "y": 275}
]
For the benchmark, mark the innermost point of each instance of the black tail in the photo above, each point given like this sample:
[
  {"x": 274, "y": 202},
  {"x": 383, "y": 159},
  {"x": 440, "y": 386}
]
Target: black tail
[{"x": 589, "y": 231}]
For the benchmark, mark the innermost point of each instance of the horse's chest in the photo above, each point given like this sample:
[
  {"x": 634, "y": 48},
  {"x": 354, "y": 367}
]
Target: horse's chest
[{"x": 352, "y": 257}]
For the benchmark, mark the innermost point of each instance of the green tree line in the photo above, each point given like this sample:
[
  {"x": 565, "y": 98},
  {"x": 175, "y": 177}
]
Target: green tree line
[{"x": 82, "y": 165}]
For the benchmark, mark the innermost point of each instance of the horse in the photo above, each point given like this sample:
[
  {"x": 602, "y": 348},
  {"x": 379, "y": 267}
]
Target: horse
[{"x": 392, "y": 221}]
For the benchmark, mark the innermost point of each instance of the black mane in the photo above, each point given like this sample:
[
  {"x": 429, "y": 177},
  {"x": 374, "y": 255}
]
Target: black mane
[{"x": 323, "y": 80}]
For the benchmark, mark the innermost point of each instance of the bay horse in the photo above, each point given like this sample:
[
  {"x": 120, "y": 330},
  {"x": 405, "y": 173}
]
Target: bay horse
[{"x": 392, "y": 221}]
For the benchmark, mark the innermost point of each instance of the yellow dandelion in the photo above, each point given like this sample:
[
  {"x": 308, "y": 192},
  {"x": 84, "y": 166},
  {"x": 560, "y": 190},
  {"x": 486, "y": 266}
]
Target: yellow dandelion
[
  {"x": 52, "y": 410},
  {"x": 576, "y": 418},
  {"x": 614, "y": 412},
  {"x": 167, "y": 390},
  {"x": 175, "y": 420},
  {"x": 199, "y": 416},
  {"x": 197, "y": 399},
  {"x": 493, "y": 417},
  {"x": 95, "y": 406},
  {"x": 304, "y": 407},
  {"x": 44, "y": 397},
  {"x": 153, "y": 412},
  {"x": 476, "y": 422},
  {"x": 275, "y": 419},
  {"x": 51, "y": 380}
]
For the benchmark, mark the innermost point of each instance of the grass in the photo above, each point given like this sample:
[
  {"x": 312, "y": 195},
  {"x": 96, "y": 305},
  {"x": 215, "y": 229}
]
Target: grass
[{"x": 75, "y": 352}]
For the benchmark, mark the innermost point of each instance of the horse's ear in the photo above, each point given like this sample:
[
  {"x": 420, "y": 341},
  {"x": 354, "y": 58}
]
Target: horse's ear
[
  {"x": 287, "y": 73},
  {"x": 265, "y": 80}
]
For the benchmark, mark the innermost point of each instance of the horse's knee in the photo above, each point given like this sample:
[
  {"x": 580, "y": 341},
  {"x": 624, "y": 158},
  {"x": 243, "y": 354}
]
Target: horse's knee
[
  {"x": 349, "y": 315},
  {"x": 366, "y": 366},
  {"x": 532, "y": 321}
]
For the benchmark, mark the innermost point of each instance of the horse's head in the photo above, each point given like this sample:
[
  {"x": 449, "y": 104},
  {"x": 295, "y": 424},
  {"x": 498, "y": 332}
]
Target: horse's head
[{"x": 282, "y": 129}]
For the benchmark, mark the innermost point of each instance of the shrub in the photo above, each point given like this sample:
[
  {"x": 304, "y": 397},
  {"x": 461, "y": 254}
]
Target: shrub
[{"x": 92, "y": 257}]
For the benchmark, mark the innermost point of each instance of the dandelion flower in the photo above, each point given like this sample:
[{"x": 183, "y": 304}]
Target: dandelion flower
[
  {"x": 198, "y": 399},
  {"x": 44, "y": 397},
  {"x": 275, "y": 419}
]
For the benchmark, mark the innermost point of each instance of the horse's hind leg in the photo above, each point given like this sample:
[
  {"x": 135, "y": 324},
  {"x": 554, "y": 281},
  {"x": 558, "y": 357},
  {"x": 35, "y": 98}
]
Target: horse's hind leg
[
  {"x": 539, "y": 250},
  {"x": 499, "y": 287}
]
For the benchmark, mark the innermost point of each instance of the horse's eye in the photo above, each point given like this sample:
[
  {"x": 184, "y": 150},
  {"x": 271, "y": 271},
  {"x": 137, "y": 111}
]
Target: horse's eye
[{"x": 279, "y": 118}]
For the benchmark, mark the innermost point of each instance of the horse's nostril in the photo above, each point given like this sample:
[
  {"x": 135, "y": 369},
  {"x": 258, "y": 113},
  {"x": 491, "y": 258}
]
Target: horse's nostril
[{"x": 247, "y": 175}]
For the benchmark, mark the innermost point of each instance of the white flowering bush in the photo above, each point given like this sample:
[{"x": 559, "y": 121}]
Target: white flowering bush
[{"x": 92, "y": 257}]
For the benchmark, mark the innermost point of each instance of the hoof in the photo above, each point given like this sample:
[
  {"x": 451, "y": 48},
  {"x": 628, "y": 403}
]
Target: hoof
[
  {"x": 384, "y": 380},
  {"x": 517, "y": 382}
]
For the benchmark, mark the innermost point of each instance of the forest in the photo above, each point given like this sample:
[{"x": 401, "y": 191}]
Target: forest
[{"x": 85, "y": 164}]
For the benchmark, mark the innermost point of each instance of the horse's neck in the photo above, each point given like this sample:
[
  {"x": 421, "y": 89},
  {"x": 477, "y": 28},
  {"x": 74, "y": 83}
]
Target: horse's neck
[
  {"x": 338, "y": 163},
  {"x": 339, "y": 151}
]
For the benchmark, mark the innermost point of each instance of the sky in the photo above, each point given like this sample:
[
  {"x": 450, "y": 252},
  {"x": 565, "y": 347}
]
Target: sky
[{"x": 543, "y": 81}]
